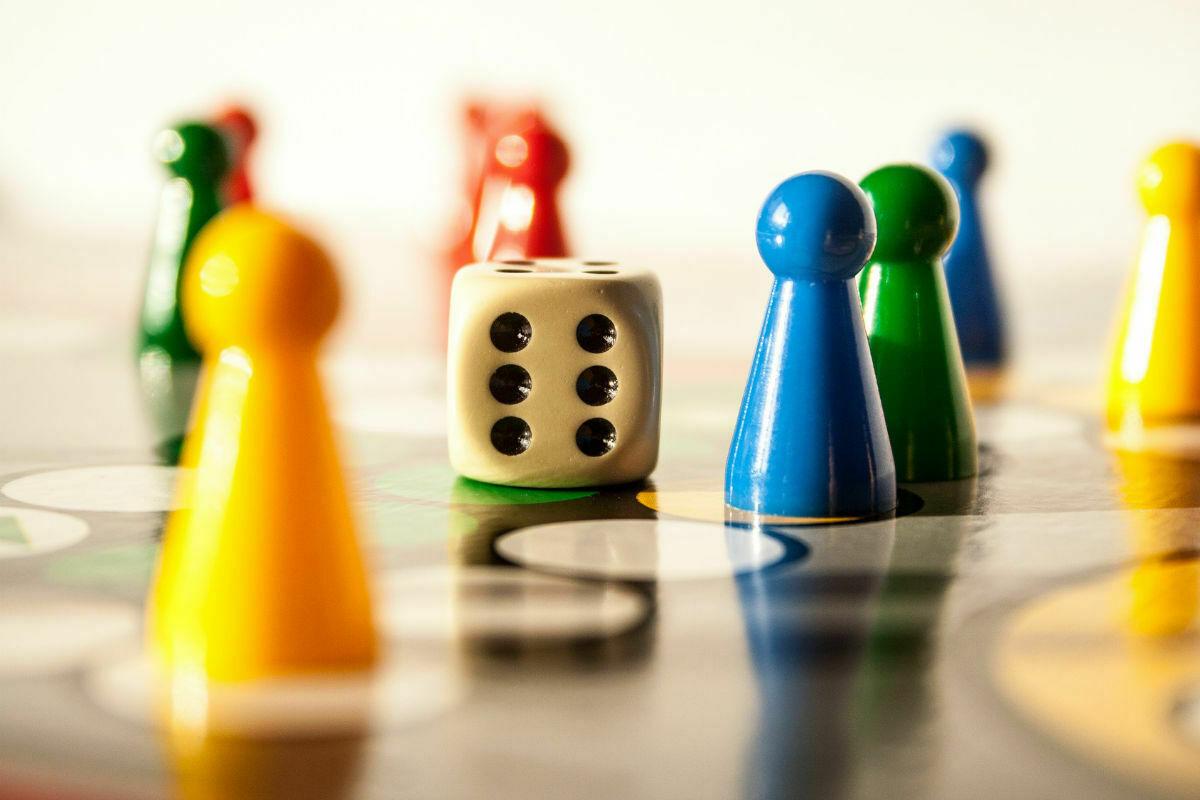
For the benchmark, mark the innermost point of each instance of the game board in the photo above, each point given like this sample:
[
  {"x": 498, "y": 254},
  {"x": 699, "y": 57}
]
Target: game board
[{"x": 1031, "y": 633}]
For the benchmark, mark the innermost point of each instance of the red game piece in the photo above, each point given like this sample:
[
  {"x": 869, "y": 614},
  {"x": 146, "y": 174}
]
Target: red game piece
[
  {"x": 518, "y": 212},
  {"x": 241, "y": 130}
]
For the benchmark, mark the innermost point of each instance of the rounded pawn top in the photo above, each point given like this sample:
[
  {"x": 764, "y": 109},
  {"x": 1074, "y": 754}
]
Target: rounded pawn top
[
  {"x": 193, "y": 150},
  {"x": 530, "y": 151},
  {"x": 253, "y": 280},
  {"x": 961, "y": 155},
  {"x": 816, "y": 226},
  {"x": 240, "y": 122},
  {"x": 1169, "y": 179},
  {"x": 915, "y": 209}
]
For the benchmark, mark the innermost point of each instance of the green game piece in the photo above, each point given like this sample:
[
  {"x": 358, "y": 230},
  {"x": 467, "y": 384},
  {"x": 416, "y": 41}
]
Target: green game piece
[
  {"x": 197, "y": 158},
  {"x": 910, "y": 326},
  {"x": 10, "y": 531}
]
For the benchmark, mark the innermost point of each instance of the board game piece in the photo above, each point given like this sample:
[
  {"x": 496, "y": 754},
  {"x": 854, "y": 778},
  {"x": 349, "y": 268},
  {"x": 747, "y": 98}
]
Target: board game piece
[
  {"x": 476, "y": 123},
  {"x": 961, "y": 156},
  {"x": 197, "y": 158},
  {"x": 555, "y": 371},
  {"x": 1154, "y": 375},
  {"x": 910, "y": 326},
  {"x": 518, "y": 208},
  {"x": 240, "y": 129},
  {"x": 261, "y": 573},
  {"x": 810, "y": 440}
]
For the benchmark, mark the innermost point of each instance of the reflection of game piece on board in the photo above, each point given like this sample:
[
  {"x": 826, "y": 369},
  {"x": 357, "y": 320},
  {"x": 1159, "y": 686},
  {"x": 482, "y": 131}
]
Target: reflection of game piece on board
[
  {"x": 961, "y": 157},
  {"x": 240, "y": 129},
  {"x": 1154, "y": 377},
  {"x": 518, "y": 214},
  {"x": 262, "y": 576},
  {"x": 810, "y": 440},
  {"x": 555, "y": 373},
  {"x": 911, "y": 328}
]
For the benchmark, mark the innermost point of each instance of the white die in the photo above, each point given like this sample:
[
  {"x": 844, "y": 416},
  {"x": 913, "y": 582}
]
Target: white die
[{"x": 555, "y": 373}]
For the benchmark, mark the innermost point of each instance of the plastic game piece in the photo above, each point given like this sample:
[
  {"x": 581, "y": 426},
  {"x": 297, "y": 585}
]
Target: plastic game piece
[
  {"x": 1154, "y": 376},
  {"x": 911, "y": 328},
  {"x": 196, "y": 157},
  {"x": 555, "y": 373},
  {"x": 262, "y": 575},
  {"x": 518, "y": 211},
  {"x": 810, "y": 440},
  {"x": 961, "y": 157},
  {"x": 238, "y": 125}
]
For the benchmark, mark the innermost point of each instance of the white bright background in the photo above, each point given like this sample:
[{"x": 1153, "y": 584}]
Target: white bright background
[{"x": 681, "y": 117}]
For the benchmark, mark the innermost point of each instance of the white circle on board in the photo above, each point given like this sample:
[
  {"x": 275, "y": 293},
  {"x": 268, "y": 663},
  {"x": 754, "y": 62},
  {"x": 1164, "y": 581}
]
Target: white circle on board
[
  {"x": 635, "y": 549},
  {"x": 400, "y": 692},
  {"x": 29, "y": 531},
  {"x": 503, "y": 602},
  {"x": 56, "y": 635},
  {"x": 125, "y": 487}
]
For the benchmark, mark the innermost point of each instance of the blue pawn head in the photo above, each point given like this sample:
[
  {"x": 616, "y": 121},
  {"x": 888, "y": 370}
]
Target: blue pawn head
[
  {"x": 961, "y": 155},
  {"x": 816, "y": 226}
]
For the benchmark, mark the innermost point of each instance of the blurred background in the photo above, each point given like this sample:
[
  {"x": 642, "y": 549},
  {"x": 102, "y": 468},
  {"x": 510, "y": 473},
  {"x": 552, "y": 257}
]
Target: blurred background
[{"x": 680, "y": 118}]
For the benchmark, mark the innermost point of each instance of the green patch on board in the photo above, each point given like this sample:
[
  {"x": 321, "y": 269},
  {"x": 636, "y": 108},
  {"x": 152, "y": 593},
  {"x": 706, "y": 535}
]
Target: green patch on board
[
  {"x": 439, "y": 483},
  {"x": 11, "y": 531},
  {"x": 119, "y": 567}
]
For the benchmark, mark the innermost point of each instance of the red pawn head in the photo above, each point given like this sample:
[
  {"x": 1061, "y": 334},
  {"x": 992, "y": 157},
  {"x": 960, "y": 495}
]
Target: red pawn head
[{"x": 241, "y": 130}]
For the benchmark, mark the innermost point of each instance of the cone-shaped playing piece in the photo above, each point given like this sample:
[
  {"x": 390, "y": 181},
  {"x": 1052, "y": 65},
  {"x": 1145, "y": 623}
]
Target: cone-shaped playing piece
[
  {"x": 810, "y": 440},
  {"x": 911, "y": 327},
  {"x": 197, "y": 159},
  {"x": 962, "y": 157},
  {"x": 1155, "y": 373},
  {"x": 240, "y": 129},
  {"x": 261, "y": 574},
  {"x": 518, "y": 215}
]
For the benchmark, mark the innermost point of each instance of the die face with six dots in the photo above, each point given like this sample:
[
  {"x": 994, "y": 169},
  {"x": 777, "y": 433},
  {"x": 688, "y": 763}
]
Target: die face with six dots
[{"x": 555, "y": 373}]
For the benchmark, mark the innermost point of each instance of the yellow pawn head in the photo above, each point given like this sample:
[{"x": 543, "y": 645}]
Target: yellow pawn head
[
  {"x": 253, "y": 280},
  {"x": 1168, "y": 180}
]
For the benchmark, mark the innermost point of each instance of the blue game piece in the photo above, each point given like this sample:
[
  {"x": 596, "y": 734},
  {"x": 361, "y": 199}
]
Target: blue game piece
[
  {"x": 810, "y": 440},
  {"x": 962, "y": 157}
]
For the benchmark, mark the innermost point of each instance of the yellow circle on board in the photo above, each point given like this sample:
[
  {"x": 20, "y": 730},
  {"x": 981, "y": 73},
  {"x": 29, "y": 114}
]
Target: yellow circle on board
[
  {"x": 709, "y": 506},
  {"x": 1103, "y": 666}
]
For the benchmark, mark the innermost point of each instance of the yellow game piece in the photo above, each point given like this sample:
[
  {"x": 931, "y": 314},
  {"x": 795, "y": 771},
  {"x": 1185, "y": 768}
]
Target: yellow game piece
[
  {"x": 1155, "y": 371},
  {"x": 262, "y": 575}
]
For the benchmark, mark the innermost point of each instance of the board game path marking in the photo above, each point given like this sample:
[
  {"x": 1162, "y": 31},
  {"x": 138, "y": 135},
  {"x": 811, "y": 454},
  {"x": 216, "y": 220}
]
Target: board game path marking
[
  {"x": 439, "y": 483},
  {"x": 129, "y": 488},
  {"x": 29, "y": 531},
  {"x": 57, "y": 634},
  {"x": 630, "y": 549},
  {"x": 1073, "y": 661},
  {"x": 503, "y": 603}
]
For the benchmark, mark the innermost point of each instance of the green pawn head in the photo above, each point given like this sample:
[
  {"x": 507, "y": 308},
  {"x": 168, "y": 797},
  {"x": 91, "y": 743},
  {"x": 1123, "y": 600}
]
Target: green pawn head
[
  {"x": 193, "y": 151},
  {"x": 915, "y": 211}
]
